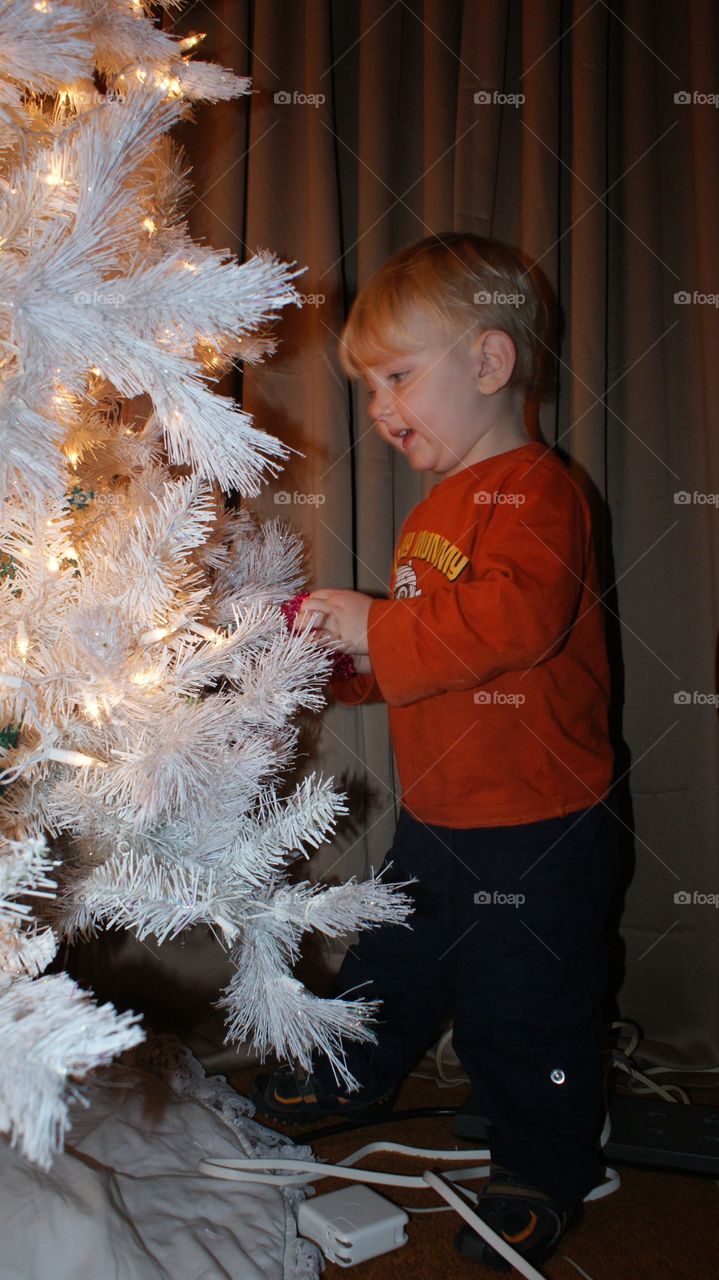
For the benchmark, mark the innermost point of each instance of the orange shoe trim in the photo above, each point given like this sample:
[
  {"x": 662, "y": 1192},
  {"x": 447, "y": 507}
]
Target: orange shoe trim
[{"x": 522, "y": 1235}]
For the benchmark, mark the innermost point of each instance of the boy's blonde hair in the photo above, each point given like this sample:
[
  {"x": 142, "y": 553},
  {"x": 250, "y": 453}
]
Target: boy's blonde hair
[{"x": 464, "y": 283}]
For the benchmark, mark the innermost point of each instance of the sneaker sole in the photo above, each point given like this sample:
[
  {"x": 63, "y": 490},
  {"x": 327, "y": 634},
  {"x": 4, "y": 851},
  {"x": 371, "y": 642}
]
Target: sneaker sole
[
  {"x": 297, "y": 1114},
  {"x": 470, "y": 1245}
]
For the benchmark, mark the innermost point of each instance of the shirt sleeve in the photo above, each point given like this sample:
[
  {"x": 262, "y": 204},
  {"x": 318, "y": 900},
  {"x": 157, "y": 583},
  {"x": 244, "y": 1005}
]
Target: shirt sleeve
[
  {"x": 527, "y": 576},
  {"x": 356, "y": 690}
]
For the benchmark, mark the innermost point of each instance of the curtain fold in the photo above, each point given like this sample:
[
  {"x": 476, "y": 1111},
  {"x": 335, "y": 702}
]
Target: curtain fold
[{"x": 612, "y": 185}]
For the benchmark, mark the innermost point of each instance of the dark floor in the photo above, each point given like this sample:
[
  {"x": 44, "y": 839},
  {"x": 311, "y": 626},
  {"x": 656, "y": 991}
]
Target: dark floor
[{"x": 656, "y": 1227}]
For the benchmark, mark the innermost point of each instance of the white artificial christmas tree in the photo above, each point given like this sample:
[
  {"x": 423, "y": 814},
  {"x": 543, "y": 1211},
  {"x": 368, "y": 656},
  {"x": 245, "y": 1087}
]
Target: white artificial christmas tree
[{"x": 147, "y": 674}]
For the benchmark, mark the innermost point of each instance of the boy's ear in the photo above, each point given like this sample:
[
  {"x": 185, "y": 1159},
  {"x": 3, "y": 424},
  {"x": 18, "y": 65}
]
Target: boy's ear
[{"x": 494, "y": 355}]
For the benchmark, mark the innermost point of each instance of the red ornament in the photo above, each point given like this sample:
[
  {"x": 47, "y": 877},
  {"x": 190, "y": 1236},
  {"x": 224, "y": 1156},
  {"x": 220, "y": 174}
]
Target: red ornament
[{"x": 343, "y": 667}]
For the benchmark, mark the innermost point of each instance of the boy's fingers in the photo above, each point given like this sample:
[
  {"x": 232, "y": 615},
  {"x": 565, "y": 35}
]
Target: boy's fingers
[
  {"x": 309, "y": 618},
  {"x": 317, "y": 619},
  {"x": 312, "y": 620}
]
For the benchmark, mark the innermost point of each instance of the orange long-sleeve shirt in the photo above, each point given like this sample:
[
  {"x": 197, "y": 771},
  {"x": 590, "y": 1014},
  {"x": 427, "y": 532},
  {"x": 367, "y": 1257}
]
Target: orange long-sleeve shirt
[{"x": 491, "y": 652}]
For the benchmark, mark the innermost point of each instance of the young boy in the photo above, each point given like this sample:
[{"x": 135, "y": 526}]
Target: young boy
[{"x": 490, "y": 654}]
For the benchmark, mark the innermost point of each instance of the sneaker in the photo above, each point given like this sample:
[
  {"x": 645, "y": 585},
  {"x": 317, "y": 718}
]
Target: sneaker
[
  {"x": 525, "y": 1218},
  {"x": 292, "y": 1096}
]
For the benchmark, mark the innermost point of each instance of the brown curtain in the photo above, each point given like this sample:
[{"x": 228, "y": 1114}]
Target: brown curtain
[{"x": 364, "y": 133}]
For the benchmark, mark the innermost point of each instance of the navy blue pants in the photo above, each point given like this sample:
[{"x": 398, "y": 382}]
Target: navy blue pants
[{"x": 507, "y": 938}]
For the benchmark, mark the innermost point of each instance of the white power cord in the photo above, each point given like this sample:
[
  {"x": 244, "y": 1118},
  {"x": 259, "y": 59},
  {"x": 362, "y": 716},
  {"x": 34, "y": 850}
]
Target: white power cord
[
  {"x": 438, "y": 1075},
  {"x": 669, "y": 1092},
  {"x": 496, "y": 1242},
  {"x": 301, "y": 1172},
  {"x": 244, "y": 1171},
  {"x": 308, "y": 1170},
  {"x": 641, "y": 1083}
]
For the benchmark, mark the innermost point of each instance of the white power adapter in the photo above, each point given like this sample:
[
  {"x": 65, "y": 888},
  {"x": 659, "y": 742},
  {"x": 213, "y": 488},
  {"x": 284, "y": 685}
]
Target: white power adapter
[{"x": 352, "y": 1225}]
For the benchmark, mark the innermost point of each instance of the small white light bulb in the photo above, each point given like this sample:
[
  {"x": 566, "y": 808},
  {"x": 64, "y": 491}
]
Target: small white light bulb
[{"x": 23, "y": 644}]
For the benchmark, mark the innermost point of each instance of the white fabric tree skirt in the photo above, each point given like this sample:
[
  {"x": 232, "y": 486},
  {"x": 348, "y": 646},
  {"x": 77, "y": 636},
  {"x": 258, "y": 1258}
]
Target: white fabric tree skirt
[{"x": 125, "y": 1200}]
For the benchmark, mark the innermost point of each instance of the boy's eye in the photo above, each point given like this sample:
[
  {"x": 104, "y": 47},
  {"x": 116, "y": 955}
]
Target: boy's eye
[{"x": 399, "y": 375}]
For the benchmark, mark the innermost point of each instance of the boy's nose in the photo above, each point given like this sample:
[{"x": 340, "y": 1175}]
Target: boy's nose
[{"x": 381, "y": 405}]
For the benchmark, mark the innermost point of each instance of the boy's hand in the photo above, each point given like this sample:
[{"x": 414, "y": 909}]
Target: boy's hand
[{"x": 342, "y": 623}]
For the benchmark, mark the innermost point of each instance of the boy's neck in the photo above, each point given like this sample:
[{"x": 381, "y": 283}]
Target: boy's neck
[{"x": 506, "y": 432}]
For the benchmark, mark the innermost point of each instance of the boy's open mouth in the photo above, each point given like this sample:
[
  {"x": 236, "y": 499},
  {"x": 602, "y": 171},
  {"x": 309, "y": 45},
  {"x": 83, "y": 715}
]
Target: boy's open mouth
[{"x": 405, "y": 436}]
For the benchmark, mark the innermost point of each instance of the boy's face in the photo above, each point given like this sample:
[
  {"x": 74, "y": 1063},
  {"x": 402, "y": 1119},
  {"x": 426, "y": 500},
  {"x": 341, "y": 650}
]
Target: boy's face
[{"x": 427, "y": 403}]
